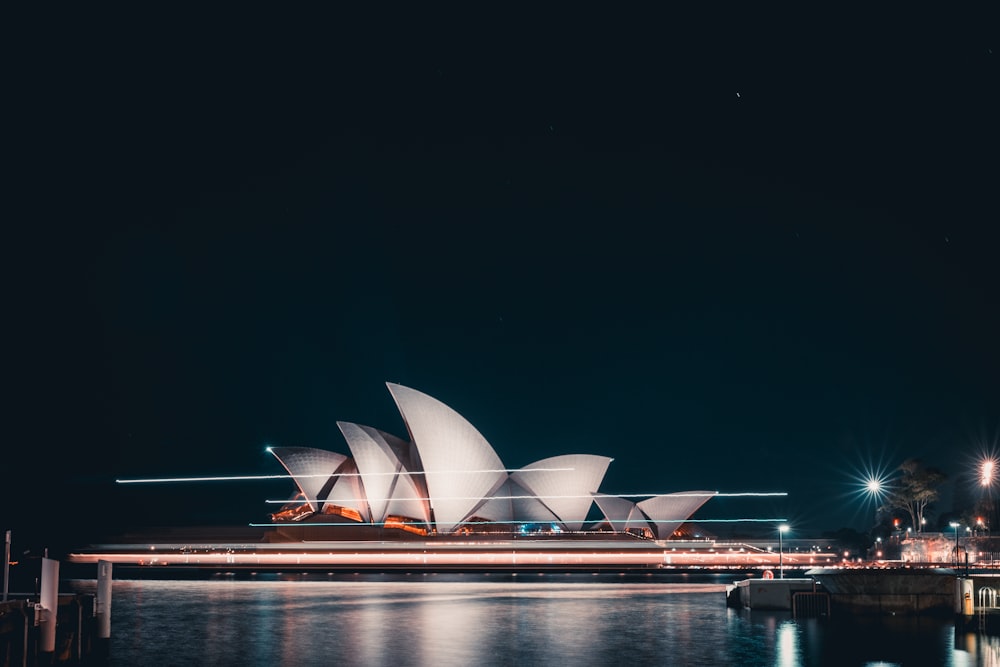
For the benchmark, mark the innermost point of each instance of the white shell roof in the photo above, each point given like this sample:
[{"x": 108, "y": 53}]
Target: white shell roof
[
  {"x": 310, "y": 469},
  {"x": 408, "y": 500},
  {"x": 669, "y": 511},
  {"x": 449, "y": 471},
  {"x": 567, "y": 493},
  {"x": 622, "y": 514},
  {"x": 515, "y": 503},
  {"x": 348, "y": 492},
  {"x": 377, "y": 461},
  {"x": 460, "y": 466}
]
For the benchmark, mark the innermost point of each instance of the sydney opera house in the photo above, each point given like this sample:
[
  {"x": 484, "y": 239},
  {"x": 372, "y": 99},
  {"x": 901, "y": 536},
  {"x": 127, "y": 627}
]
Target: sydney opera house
[
  {"x": 446, "y": 480},
  {"x": 442, "y": 499}
]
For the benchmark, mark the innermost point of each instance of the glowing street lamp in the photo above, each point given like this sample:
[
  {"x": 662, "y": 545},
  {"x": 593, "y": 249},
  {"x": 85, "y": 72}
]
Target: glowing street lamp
[
  {"x": 781, "y": 561},
  {"x": 954, "y": 524},
  {"x": 987, "y": 472},
  {"x": 987, "y": 476}
]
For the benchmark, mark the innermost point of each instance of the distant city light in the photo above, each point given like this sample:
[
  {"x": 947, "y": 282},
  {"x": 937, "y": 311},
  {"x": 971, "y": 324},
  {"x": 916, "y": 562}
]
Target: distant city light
[
  {"x": 872, "y": 483},
  {"x": 874, "y": 486},
  {"x": 987, "y": 471}
]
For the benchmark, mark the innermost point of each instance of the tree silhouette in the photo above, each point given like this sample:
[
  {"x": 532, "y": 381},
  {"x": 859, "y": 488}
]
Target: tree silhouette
[{"x": 916, "y": 488}]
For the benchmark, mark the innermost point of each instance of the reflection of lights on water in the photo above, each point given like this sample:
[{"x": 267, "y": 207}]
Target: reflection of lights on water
[
  {"x": 788, "y": 645},
  {"x": 988, "y": 649}
]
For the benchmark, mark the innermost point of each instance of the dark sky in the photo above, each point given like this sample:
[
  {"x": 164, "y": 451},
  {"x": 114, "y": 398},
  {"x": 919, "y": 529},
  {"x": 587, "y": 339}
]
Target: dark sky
[{"x": 742, "y": 253}]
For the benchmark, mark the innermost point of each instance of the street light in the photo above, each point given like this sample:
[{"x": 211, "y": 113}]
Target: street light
[
  {"x": 987, "y": 476},
  {"x": 781, "y": 560},
  {"x": 954, "y": 524},
  {"x": 987, "y": 472}
]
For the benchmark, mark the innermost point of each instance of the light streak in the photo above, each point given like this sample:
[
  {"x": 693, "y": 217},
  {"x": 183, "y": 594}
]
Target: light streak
[
  {"x": 539, "y": 497},
  {"x": 696, "y": 494},
  {"x": 242, "y": 478},
  {"x": 231, "y": 478},
  {"x": 421, "y": 558},
  {"x": 355, "y": 524}
]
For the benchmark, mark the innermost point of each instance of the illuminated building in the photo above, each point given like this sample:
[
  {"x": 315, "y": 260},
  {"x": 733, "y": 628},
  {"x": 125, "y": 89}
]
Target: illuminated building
[{"x": 448, "y": 480}]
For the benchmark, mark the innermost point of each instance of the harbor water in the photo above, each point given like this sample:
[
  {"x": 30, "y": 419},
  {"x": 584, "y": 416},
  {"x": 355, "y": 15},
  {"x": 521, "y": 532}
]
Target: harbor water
[{"x": 454, "y": 619}]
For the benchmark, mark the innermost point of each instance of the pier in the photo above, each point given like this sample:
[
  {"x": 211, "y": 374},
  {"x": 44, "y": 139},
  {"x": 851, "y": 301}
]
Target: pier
[
  {"x": 24, "y": 624},
  {"x": 46, "y": 627}
]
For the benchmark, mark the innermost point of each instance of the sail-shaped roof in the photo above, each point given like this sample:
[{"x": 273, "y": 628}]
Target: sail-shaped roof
[
  {"x": 310, "y": 469},
  {"x": 448, "y": 474},
  {"x": 347, "y": 490},
  {"x": 377, "y": 456},
  {"x": 512, "y": 503},
  {"x": 460, "y": 467},
  {"x": 622, "y": 514},
  {"x": 669, "y": 511},
  {"x": 565, "y": 484}
]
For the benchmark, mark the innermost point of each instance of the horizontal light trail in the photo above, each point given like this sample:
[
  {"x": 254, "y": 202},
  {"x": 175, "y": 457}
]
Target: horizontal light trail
[
  {"x": 714, "y": 494},
  {"x": 355, "y": 524},
  {"x": 241, "y": 478},
  {"x": 232, "y": 478},
  {"x": 488, "y": 558}
]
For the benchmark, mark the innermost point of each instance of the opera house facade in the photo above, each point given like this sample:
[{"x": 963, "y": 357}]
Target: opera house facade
[
  {"x": 442, "y": 500},
  {"x": 446, "y": 481}
]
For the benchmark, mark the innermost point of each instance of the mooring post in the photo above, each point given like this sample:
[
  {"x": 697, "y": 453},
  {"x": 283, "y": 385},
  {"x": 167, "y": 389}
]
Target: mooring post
[
  {"x": 48, "y": 599},
  {"x": 102, "y": 605},
  {"x": 963, "y": 597},
  {"x": 102, "y": 611}
]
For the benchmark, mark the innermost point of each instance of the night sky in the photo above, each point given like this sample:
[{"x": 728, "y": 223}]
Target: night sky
[{"x": 738, "y": 253}]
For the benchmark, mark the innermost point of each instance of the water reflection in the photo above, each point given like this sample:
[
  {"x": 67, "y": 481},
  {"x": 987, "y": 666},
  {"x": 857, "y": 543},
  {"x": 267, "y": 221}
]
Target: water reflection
[
  {"x": 459, "y": 620},
  {"x": 973, "y": 648}
]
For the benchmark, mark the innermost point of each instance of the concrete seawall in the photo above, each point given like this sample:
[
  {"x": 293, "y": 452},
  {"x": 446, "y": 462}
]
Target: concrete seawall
[
  {"x": 897, "y": 591},
  {"x": 854, "y": 591}
]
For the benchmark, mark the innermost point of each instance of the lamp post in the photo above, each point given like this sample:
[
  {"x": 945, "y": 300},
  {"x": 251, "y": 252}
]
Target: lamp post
[
  {"x": 954, "y": 524},
  {"x": 781, "y": 559}
]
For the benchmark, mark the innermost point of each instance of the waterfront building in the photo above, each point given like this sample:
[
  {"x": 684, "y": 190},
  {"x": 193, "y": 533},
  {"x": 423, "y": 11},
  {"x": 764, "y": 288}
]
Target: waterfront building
[{"x": 447, "y": 480}]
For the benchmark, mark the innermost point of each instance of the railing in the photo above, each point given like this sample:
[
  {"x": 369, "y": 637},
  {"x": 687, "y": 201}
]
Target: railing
[
  {"x": 811, "y": 604},
  {"x": 987, "y": 598}
]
